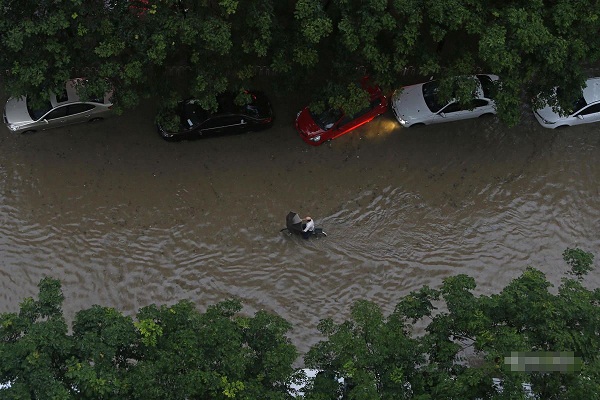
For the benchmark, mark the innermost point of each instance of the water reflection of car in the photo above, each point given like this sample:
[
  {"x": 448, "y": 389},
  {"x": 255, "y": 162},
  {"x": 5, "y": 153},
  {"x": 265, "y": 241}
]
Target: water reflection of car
[
  {"x": 191, "y": 121},
  {"x": 315, "y": 129},
  {"x": 586, "y": 109},
  {"x": 419, "y": 104},
  {"x": 22, "y": 115}
]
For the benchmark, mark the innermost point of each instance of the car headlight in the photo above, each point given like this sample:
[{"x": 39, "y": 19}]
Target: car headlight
[
  {"x": 316, "y": 138},
  {"x": 13, "y": 127}
]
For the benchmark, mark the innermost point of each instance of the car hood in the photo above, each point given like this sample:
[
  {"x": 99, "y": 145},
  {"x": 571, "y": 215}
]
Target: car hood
[
  {"x": 306, "y": 125},
  {"x": 548, "y": 114},
  {"x": 409, "y": 104},
  {"x": 16, "y": 111}
]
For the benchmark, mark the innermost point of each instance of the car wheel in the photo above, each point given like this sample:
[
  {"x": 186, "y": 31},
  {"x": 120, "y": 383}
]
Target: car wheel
[
  {"x": 417, "y": 126},
  {"x": 562, "y": 127},
  {"x": 28, "y": 132},
  {"x": 96, "y": 119},
  {"x": 486, "y": 116}
]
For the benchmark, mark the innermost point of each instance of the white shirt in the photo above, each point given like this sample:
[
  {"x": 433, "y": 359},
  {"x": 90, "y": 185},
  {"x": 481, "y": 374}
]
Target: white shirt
[{"x": 310, "y": 226}]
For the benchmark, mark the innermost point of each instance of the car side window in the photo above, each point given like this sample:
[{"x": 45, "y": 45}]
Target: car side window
[
  {"x": 346, "y": 119},
  {"x": 59, "y": 112},
  {"x": 479, "y": 103},
  {"x": 214, "y": 122},
  {"x": 233, "y": 120},
  {"x": 594, "y": 108},
  {"x": 79, "y": 108},
  {"x": 452, "y": 107}
]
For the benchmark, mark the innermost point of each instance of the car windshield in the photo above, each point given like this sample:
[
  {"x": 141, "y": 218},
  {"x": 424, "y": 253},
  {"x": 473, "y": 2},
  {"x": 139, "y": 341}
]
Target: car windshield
[
  {"x": 577, "y": 104},
  {"x": 327, "y": 119},
  {"x": 489, "y": 90},
  {"x": 258, "y": 108},
  {"x": 38, "y": 112},
  {"x": 430, "y": 90},
  {"x": 193, "y": 114}
]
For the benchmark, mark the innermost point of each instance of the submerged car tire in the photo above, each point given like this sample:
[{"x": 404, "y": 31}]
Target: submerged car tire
[
  {"x": 95, "y": 119},
  {"x": 486, "y": 116},
  {"x": 28, "y": 132},
  {"x": 417, "y": 126}
]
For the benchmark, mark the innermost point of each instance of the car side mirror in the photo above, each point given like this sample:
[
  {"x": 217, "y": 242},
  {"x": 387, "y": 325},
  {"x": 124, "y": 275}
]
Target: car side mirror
[
  {"x": 45, "y": 120},
  {"x": 443, "y": 114},
  {"x": 242, "y": 121},
  {"x": 580, "y": 116}
]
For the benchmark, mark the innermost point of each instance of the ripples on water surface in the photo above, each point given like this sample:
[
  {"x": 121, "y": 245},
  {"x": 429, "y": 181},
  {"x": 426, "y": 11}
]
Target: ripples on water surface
[{"x": 125, "y": 220}]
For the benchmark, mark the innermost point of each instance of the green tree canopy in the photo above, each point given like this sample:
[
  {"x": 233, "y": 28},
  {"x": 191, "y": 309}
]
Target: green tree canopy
[
  {"x": 462, "y": 354},
  {"x": 171, "y": 352},
  {"x": 469, "y": 349},
  {"x": 171, "y": 49}
]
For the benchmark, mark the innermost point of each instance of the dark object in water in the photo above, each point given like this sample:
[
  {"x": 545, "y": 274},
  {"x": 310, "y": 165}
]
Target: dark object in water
[{"x": 294, "y": 224}]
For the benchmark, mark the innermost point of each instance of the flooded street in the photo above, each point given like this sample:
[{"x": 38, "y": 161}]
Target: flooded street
[{"x": 125, "y": 219}]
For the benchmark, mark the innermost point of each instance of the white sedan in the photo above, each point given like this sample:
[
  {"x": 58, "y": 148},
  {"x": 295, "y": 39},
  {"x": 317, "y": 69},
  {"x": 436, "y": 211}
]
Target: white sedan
[
  {"x": 418, "y": 104},
  {"x": 61, "y": 109},
  {"x": 585, "y": 110}
]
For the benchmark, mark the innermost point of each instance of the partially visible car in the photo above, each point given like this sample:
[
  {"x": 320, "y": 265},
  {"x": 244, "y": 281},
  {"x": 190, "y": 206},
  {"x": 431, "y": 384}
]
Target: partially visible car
[
  {"x": 585, "y": 110},
  {"x": 191, "y": 121},
  {"x": 66, "y": 108},
  {"x": 315, "y": 129},
  {"x": 420, "y": 104}
]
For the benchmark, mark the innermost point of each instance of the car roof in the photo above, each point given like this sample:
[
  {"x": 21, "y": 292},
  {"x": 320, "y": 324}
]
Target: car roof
[{"x": 591, "y": 93}]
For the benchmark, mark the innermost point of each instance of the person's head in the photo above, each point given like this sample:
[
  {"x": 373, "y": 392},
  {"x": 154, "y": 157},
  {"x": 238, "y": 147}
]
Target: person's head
[{"x": 308, "y": 218}]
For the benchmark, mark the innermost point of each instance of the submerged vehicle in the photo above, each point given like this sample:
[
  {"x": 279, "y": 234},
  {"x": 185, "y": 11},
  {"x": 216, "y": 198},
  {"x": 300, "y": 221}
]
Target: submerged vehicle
[
  {"x": 294, "y": 224},
  {"x": 191, "y": 121},
  {"x": 316, "y": 129}
]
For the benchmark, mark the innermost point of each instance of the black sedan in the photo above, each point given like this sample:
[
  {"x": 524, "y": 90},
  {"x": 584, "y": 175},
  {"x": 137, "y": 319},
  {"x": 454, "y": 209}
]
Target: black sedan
[{"x": 194, "y": 122}]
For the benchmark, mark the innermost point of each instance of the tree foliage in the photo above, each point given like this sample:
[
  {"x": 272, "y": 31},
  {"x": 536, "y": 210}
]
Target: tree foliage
[
  {"x": 462, "y": 354},
  {"x": 171, "y": 49},
  {"x": 176, "y": 352},
  {"x": 168, "y": 353}
]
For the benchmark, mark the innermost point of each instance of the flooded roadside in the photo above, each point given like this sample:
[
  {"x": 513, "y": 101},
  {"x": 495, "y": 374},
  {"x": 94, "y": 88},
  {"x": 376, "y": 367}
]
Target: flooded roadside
[{"x": 125, "y": 219}]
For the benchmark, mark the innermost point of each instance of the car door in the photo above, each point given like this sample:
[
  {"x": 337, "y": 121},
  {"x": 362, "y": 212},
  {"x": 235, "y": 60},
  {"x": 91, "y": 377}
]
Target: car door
[
  {"x": 223, "y": 125},
  {"x": 455, "y": 111},
  {"x": 79, "y": 112},
  {"x": 351, "y": 122},
  {"x": 591, "y": 113},
  {"x": 55, "y": 118},
  {"x": 235, "y": 123}
]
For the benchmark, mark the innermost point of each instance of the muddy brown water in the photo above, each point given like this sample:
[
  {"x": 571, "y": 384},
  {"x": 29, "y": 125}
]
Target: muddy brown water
[{"x": 125, "y": 219}]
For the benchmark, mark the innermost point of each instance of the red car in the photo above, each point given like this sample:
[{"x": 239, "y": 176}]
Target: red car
[{"x": 316, "y": 129}]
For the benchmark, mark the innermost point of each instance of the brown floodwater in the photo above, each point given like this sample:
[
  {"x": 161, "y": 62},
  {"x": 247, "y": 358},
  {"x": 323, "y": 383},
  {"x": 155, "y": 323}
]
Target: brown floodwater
[{"x": 125, "y": 219}]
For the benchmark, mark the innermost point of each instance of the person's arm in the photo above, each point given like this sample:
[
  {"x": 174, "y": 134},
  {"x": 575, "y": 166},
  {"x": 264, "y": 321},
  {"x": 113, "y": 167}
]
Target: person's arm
[{"x": 310, "y": 225}]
